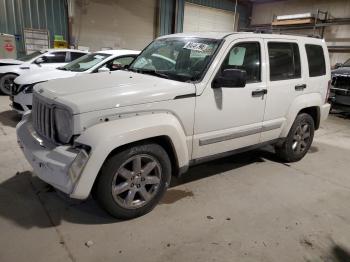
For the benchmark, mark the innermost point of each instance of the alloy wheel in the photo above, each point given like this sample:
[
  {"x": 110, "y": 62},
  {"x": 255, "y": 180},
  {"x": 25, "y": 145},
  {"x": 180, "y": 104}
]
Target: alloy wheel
[
  {"x": 136, "y": 181},
  {"x": 301, "y": 138},
  {"x": 7, "y": 84}
]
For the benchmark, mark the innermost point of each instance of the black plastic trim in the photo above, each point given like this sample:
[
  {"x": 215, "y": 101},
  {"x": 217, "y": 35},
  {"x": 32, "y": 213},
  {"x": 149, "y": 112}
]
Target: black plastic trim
[
  {"x": 185, "y": 96},
  {"x": 201, "y": 160}
]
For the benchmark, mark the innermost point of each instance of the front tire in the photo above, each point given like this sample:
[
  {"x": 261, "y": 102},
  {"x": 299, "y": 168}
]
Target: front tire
[
  {"x": 299, "y": 139},
  {"x": 6, "y": 82},
  {"x": 133, "y": 181}
]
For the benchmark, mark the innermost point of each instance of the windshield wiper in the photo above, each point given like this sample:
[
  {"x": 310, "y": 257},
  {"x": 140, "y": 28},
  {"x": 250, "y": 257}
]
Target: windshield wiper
[
  {"x": 62, "y": 68},
  {"x": 150, "y": 72}
]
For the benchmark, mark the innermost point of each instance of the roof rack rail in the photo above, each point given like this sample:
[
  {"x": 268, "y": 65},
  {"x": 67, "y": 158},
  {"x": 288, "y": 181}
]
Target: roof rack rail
[{"x": 269, "y": 31}]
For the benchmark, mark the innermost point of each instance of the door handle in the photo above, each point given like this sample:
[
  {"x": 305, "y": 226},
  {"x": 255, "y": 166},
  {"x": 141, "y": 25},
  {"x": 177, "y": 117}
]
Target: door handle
[
  {"x": 300, "y": 87},
  {"x": 260, "y": 92}
]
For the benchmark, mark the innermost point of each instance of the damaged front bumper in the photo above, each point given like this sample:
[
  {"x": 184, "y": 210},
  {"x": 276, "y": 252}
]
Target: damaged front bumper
[{"x": 58, "y": 165}]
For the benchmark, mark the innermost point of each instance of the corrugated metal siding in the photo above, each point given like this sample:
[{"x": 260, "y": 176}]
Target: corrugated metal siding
[
  {"x": 180, "y": 16},
  {"x": 37, "y": 14},
  {"x": 166, "y": 19}
]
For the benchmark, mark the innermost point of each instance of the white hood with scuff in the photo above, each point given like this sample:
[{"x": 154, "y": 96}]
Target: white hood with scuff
[{"x": 92, "y": 92}]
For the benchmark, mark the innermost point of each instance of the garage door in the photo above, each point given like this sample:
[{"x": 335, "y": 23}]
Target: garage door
[{"x": 201, "y": 18}]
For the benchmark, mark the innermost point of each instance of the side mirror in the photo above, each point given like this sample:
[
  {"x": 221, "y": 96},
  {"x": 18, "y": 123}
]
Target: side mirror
[
  {"x": 39, "y": 60},
  {"x": 103, "y": 70},
  {"x": 230, "y": 78},
  {"x": 337, "y": 65}
]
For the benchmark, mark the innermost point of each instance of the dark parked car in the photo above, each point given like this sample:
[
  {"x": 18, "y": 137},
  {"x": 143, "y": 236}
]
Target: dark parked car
[{"x": 340, "y": 89}]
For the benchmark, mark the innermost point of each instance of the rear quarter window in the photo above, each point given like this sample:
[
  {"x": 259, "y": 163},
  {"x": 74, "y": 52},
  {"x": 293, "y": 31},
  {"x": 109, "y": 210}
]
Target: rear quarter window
[{"x": 316, "y": 60}]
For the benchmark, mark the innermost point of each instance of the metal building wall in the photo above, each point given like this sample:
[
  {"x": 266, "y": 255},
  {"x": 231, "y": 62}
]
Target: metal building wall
[{"x": 15, "y": 15}]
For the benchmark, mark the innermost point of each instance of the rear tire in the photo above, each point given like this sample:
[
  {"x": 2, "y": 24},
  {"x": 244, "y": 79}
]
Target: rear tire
[
  {"x": 5, "y": 83},
  {"x": 299, "y": 139},
  {"x": 133, "y": 181}
]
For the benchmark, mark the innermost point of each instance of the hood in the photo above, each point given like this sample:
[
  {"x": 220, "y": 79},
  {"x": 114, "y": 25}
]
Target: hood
[
  {"x": 6, "y": 62},
  {"x": 100, "y": 91},
  {"x": 341, "y": 71},
  {"x": 43, "y": 74}
]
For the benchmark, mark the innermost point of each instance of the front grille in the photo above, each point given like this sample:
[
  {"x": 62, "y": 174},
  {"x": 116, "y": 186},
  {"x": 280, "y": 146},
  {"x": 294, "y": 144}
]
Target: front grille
[{"x": 42, "y": 115}]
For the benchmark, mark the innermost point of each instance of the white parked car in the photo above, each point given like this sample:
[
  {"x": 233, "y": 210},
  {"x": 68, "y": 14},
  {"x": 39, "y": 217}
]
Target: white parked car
[
  {"x": 50, "y": 58},
  {"x": 102, "y": 61},
  {"x": 124, "y": 134}
]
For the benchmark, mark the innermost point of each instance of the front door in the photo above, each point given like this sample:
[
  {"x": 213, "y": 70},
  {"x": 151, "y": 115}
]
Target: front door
[{"x": 229, "y": 118}]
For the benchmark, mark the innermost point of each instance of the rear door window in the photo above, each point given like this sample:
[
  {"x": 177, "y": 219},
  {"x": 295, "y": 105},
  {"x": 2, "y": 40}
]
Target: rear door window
[
  {"x": 119, "y": 62},
  {"x": 284, "y": 61},
  {"x": 55, "y": 57},
  {"x": 315, "y": 59},
  {"x": 124, "y": 61}
]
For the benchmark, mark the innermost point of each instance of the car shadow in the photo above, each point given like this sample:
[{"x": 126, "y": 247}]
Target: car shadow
[
  {"x": 219, "y": 166},
  {"x": 10, "y": 118},
  {"x": 340, "y": 254},
  {"x": 341, "y": 114},
  {"x": 30, "y": 202}
]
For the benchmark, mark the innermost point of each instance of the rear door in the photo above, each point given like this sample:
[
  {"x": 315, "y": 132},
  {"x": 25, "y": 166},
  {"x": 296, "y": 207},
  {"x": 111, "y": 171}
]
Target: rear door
[{"x": 286, "y": 81}]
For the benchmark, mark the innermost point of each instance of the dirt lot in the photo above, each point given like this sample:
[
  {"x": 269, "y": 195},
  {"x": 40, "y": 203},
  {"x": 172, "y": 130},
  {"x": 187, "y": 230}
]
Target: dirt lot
[{"x": 247, "y": 207}]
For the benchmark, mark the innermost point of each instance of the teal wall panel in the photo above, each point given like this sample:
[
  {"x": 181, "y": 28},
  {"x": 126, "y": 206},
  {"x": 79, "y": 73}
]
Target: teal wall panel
[
  {"x": 166, "y": 17},
  {"x": 15, "y": 15}
]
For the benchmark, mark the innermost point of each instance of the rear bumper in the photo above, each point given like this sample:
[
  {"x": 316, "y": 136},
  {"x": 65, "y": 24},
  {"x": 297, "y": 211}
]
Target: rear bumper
[
  {"x": 341, "y": 107},
  {"x": 324, "y": 112}
]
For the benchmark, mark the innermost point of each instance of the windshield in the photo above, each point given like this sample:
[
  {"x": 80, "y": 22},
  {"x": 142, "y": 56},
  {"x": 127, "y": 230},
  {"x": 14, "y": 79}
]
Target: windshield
[
  {"x": 181, "y": 59},
  {"x": 85, "y": 62},
  {"x": 347, "y": 63},
  {"x": 31, "y": 56}
]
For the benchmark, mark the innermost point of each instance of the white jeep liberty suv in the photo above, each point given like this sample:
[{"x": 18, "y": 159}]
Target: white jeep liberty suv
[{"x": 187, "y": 98}]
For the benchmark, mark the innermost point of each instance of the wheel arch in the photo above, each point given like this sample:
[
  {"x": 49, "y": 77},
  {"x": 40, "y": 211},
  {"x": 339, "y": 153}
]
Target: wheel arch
[
  {"x": 163, "y": 129},
  {"x": 314, "y": 112},
  {"x": 164, "y": 141},
  {"x": 307, "y": 103}
]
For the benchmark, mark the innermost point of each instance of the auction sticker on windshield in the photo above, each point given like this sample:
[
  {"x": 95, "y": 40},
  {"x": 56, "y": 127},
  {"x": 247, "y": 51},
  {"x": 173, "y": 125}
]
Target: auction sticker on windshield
[{"x": 196, "y": 46}]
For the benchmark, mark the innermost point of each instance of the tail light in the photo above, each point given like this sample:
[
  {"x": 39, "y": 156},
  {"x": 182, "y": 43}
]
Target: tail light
[{"x": 328, "y": 91}]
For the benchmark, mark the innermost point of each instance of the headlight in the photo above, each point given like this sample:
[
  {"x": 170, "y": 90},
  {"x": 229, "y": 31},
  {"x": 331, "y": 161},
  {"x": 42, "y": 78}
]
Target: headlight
[
  {"x": 78, "y": 165},
  {"x": 63, "y": 125},
  {"x": 28, "y": 89}
]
